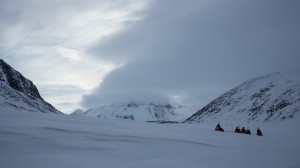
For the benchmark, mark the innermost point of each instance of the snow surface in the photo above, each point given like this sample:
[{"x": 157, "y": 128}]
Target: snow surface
[
  {"x": 35, "y": 140},
  {"x": 11, "y": 98}
]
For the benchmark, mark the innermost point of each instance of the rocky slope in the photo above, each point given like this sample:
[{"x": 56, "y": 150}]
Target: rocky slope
[
  {"x": 268, "y": 98},
  {"x": 141, "y": 112},
  {"x": 20, "y": 93}
]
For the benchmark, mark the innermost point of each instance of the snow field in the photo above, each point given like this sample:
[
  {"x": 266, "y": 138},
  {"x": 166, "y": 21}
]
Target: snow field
[{"x": 46, "y": 140}]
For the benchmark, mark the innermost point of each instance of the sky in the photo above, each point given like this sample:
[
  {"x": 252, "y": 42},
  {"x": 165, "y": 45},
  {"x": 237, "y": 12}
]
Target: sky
[{"x": 83, "y": 54}]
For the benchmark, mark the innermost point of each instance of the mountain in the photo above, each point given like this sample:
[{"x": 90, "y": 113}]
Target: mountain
[
  {"x": 77, "y": 112},
  {"x": 141, "y": 112},
  {"x": 269, "y": 98},
  {"x": 18, "y": 92}
]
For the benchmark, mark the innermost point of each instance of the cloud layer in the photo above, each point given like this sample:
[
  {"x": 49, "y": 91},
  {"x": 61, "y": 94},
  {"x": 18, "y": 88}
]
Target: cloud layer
[{"x": 192, "y": 51}]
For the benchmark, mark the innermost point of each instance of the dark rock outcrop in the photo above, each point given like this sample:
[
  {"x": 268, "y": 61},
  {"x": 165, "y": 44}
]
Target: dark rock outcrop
[{"x": 18, "y": 92}]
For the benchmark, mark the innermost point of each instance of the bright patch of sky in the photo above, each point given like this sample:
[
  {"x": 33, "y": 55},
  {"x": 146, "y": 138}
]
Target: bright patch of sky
[
  {"x": 48, "y": 44},
  {"x": 71, "y": 54}
]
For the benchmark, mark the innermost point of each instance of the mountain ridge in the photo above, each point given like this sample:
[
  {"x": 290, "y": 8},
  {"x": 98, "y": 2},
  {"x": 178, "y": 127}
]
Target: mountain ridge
[
  {"x": 141, "y": 111},
  {"x": 17, "y": 81},
  {"x": 268, "y": 98},
  {"x": 18, "y": 92}
]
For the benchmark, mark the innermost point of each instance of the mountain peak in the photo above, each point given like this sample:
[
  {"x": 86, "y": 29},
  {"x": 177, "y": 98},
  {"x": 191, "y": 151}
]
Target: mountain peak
[{"x": 78, "y": 112}]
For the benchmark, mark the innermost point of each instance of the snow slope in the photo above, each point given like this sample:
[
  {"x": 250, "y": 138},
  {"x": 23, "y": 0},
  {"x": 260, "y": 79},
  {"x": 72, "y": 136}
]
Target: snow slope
[
  {"x": 269, "y": 98},
  {"x": 77, "y": 112},
  {"x": 36, "y": 140},
  {"x": 142, "y": 112},
  {"x": 20, "y": 93}
]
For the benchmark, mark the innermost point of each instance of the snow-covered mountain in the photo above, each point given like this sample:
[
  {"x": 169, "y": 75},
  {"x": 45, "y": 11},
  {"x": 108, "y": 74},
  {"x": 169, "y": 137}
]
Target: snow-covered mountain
[
  {"x": 77, "y": 112},
  {"x": 18, "y": 92},
  {"x": 268, "y": 98},
  {"x": 141, "y": 112}
]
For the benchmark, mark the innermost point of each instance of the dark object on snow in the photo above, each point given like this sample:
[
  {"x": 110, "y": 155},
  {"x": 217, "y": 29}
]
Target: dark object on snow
[
  {"x": 248, "y": 131},
  {"x": 219, "y": 128},
  {"x": 237, "y": 130},
  {"x": 258, "y": 132},
  {"x": 243, "y": 131}
]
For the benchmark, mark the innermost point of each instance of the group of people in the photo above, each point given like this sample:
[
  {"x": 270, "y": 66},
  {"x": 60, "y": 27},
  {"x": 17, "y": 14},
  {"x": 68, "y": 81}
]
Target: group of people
[{"x": 241, "y": 131}]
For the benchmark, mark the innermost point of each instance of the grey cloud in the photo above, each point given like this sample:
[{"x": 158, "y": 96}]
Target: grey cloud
[
  {"x": 198, "y": 49},
  {"x": 44, "y": 23},
  {"x": 63, "y": 96},
  {"x": 62, "y": 90}
]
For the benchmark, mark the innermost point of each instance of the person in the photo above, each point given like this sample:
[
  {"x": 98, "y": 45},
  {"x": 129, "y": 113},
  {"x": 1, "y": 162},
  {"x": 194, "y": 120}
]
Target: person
[
  {"x": 258, "y": 132},
  {"x": 248, "y": 131},
  {"x": 237, "y": 130},
  {"x": 243, "y": 131},
  {"x": 219, "y": 128}
]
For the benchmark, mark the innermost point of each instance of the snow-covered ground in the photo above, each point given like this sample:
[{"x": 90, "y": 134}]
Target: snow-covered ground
[{"x": 33, "y": 140}]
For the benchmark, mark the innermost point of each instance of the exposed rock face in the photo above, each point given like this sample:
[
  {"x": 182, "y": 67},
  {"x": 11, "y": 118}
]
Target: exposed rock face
[
  {"x": 17, "y": 81},
  {"x": 268, "y": 98},
  {"x": 20, "y": 93}
]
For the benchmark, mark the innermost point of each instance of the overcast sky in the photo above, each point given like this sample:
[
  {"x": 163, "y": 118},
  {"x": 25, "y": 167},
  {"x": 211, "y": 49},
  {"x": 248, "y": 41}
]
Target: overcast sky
[{"x": 82, "y": 54}]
